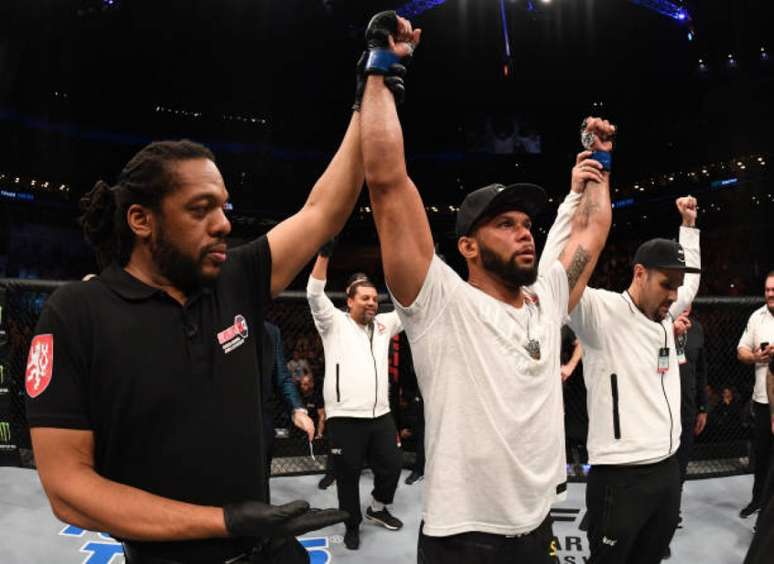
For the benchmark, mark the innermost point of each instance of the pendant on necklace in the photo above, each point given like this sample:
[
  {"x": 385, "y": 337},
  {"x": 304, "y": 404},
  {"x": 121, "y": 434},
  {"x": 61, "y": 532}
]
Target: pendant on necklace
[{"x": 533, "y": 348}]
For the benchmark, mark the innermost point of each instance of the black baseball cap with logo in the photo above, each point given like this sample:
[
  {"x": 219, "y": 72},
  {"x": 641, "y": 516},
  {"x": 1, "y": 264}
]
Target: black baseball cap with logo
[
  {"x": 663, "y": 254},
  {"x": 525, "y": 197}
]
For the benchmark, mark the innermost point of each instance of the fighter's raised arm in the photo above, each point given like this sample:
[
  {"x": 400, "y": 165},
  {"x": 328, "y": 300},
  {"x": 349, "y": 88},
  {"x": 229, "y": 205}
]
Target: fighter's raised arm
[
  {"x": 591, "y": 222},
  {"x": 401, "y": 221}
]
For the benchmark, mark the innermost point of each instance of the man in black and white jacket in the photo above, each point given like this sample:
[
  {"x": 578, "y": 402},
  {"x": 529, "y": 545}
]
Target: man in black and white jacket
[
  {"x": 633, "y": 383},
  {"x": 356, "y": 393}
]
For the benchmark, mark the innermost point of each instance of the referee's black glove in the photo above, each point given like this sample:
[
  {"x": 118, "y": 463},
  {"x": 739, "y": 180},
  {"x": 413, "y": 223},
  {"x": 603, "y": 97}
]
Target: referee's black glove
[{"x": 257, "y": 519}]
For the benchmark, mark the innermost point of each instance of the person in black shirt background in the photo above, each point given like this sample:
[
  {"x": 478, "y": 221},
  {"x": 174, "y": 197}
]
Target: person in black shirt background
[
  {"x": 689, "y": 342},
  {"x": 576, "y": 417},
  {"x": 273, "y": 356}
]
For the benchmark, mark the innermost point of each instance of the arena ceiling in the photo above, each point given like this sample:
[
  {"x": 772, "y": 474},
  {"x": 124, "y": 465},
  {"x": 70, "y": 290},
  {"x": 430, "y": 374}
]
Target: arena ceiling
[{"x": 269, "y": 84}]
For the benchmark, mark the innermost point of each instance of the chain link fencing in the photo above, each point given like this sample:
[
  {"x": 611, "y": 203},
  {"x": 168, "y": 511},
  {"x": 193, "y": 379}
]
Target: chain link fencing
[{"x": 724, "y": 448}]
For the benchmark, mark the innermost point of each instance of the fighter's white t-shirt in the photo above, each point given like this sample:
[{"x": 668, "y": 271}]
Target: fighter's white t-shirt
[{"x": 494, "y": 415}]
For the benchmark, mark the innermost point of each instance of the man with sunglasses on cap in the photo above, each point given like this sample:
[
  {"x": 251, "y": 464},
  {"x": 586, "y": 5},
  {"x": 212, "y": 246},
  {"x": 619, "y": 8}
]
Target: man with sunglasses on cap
[
  {"x": 356, "y": 394},
  {"x": 492, "y": 472},
  {"x": 633, "y": 384}
]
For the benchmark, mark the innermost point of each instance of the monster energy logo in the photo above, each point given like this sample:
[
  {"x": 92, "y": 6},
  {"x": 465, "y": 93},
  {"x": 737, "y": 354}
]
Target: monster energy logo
[{"x": 5, "y": 432}]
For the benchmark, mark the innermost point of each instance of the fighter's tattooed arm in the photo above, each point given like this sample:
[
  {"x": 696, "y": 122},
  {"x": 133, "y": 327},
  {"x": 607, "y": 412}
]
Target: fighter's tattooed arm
[
  {"x": 578, "y": 264},
  {"x": 590, "y": 226},
  {"x": 589, "y": 206}
]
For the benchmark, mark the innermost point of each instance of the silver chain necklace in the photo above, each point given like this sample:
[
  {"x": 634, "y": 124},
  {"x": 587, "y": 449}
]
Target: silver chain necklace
[{"x": 533, "y": 345}]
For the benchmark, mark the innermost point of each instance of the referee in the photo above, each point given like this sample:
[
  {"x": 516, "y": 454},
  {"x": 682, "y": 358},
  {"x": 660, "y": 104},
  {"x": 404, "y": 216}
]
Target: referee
[{"x": 143, "y": 392}]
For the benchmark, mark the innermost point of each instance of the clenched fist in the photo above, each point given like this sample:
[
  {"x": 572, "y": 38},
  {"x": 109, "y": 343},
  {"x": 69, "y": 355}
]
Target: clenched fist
[{"x": 687, "y": 207}]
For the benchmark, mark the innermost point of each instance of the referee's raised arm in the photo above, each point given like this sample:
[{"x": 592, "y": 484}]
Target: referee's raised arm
[{"x": 294, "y": 241}]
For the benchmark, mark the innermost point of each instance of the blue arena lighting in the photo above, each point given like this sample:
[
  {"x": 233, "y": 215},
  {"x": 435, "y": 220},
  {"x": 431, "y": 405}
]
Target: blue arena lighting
[
  {"x": 10, "y": 195},
  {"x": 715, "y": 184},
  {"x": 673, "y": 10},
  {"x": 625, "y": 203},
  {"x": 415, "y": 7}
]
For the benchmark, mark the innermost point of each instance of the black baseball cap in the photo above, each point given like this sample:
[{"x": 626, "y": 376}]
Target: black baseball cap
[
  {"x": 663, "y": 254},
  {"x": 525, "y": 197}
]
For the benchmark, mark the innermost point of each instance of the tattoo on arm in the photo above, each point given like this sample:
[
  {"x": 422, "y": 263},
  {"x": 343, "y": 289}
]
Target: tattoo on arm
[
  {"x": 577, "y": 265},
  {"x": 588, "y": 207}
]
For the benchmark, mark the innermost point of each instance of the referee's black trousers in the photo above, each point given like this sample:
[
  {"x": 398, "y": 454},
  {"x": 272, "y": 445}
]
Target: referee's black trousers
[
  {"x": 352, "y": 439},
  {"x": 632, "y": 511}
]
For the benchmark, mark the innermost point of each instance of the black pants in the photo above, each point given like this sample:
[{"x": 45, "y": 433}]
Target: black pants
[
  {"x": 375, "y": 439},
  {"x": 269, "y": 442},
  {"x": 632, "y": 511},
  {"x": 686, "y": 444},
  {"x": 329, "y": 460},
  {"x": 537, "y": 547},
  {"x": 277, "y": 551},
  {"x": 761, "y": 447}
]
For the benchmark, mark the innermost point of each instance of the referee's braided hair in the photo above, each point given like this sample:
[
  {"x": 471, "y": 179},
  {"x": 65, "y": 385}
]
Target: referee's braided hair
[{"x": 146, "y": 179}]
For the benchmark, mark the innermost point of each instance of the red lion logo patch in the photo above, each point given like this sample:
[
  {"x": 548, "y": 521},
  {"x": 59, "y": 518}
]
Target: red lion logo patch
[{"x": 40, "y": 365}]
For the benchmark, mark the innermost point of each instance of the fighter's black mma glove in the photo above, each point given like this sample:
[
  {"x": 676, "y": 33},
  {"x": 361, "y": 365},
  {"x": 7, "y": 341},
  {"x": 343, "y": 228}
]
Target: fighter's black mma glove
[
  {"x": 379, "y": 58},
  {"x": 327, "y": 249},
  {"x": 257, "y": 519},
  {"x": 393, "y": 80},
  {"x": 378, "y": 32},
  {"x": 379, "y": 29}
]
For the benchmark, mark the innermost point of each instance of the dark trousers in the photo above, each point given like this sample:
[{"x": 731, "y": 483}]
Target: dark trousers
[
  {"x": 329, "y": 460},
  {"x": 536, "y": 547},
  {"x": 632, "y": 511},
  {"x": 277, "y": 551},
  {"x": 686, "y": 444},
  {"x": 762, "y": 449},
  {"x": 351, "y": 440}
]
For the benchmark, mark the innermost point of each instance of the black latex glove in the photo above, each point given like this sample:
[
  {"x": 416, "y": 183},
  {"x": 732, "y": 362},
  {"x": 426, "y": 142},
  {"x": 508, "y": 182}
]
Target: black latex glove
[{"x": 258, "y": 519}]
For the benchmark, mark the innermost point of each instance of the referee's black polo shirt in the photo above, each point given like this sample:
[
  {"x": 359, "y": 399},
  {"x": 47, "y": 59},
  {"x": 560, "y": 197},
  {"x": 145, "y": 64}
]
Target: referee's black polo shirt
[{"x": 171, "y": 392}]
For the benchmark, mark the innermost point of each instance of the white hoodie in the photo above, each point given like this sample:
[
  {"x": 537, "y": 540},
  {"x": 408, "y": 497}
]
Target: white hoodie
[
  {"x": 634, "y": 411},
  {"x": 356, "y": 368}
]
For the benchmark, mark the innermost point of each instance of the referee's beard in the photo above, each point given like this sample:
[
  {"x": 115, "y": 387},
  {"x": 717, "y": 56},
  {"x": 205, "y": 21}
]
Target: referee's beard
[
  {"x": 183, "y": 271},
  {"x": 507, "y": 270}
]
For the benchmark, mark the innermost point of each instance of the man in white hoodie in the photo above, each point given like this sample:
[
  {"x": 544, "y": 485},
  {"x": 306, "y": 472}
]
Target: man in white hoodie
[
  {"x": 356, "y": 393},
  {"x": 633, "y": 384}
]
